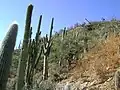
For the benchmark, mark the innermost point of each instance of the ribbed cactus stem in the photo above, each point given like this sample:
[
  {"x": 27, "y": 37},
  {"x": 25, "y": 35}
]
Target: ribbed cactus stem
[
  {"x": 85, "y": 42},
  {"x": 30, "y": 33},
  {"x": 6, "y": 51},
  {"x": 39, "y": 24},
  {"x": 45, "y": 68},
  {"x": 51, "y": 28},
  {"x": 64, "y": 33},
  {"x": 19, "y": 47},
  {"x": 24, "y": 51},
  {"x": 38, "y": 29}
]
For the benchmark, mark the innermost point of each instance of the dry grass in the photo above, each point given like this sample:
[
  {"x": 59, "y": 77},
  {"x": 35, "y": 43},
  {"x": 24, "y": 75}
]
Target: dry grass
[{"x": 100, "y": 62}]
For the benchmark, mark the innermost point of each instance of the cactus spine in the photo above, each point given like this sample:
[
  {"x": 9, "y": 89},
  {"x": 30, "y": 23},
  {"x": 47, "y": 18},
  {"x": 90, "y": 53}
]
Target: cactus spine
[
  {"x": 6, "y": 54},
  {"x": 46, "y": 51},
  {"x": 24, "y": 51}
]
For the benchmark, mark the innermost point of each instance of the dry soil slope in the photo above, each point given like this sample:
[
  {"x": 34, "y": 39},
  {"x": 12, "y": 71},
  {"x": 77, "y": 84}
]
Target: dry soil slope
[{"x": 96, "y": 70}]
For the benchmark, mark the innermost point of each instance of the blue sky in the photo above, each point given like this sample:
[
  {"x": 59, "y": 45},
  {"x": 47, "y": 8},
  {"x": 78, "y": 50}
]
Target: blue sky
[{"x": 65, "y": 12}]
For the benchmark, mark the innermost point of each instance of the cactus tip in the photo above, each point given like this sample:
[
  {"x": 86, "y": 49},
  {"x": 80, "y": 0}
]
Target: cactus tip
[
  {"x": 30, "y": 4},
  {"x": 14, "y": 22}
]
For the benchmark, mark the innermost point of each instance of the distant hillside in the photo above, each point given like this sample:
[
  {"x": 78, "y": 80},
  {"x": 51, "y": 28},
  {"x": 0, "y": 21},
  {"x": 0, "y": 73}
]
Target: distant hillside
[
  {"x": 96, "y": 70},
  {"x": 92, "y": 48}
]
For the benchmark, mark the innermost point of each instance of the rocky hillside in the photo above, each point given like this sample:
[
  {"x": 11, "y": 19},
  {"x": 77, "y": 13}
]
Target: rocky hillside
[
  {"x": 96, "y": 70},
  {"x": 94, "y": 61}
]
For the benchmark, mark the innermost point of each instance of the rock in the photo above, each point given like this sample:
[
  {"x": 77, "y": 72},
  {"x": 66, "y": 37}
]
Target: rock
[
  {"x": 83, "y": 86},
  {"x": 67, "y": 86}
]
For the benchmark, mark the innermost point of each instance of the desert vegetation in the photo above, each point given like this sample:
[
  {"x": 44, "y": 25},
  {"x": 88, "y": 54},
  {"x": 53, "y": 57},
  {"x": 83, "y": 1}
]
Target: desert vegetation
[{"x": 85, "y": 56}]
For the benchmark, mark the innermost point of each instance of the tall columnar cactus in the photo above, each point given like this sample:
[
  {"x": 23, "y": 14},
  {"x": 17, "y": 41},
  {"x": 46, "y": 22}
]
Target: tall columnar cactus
[
  {"x": 61, "y": 46},
  {"x": 19, "y": 47},
  {"x": 38, "y": 30},
  {"x": 29, "y": 58},
  {"x": 6, "y": 51},
  {"x": 38, "y": 44},
  {"x": 24, "y": 51},
  {"x": 64, "y": 33},
  {"x": 85, "y": 42},
  {"x": 46, "y": 51}
]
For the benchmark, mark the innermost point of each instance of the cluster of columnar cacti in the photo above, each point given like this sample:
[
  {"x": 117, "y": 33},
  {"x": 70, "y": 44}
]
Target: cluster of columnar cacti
[
  {"x": 31, "y": 52},
  {"x": 46, "y": 51},
  {"x": 6, "y": 51},
  {"x": 34, "y": 54}
]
